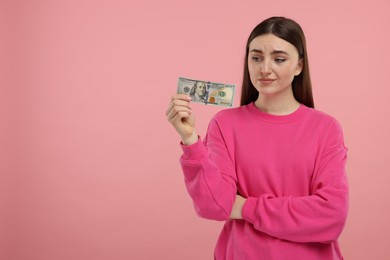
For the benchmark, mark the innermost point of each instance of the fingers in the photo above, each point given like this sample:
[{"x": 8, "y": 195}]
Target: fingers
[
  {"x": 179, "y": 107},
  {"x": 180, "y": 100},
  {"x": 180, "y": 116},
  {"x": 177, "y": 113},
  {"x": 180, "y": 119}
]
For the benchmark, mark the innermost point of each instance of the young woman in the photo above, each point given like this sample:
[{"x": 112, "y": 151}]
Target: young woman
[{"x": 274, "y": 168}]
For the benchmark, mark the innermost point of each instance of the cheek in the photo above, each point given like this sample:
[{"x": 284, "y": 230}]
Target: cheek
[
  {"x": 286, "y": 73},
  {"x": 252, "y": 70}
]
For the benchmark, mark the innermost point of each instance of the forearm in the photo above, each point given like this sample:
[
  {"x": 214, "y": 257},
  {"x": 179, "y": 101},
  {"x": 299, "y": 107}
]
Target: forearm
[
  {"x": 300, "y": 219},
  {"x": 212, "y": 190}
]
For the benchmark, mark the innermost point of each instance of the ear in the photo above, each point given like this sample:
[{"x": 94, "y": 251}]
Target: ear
[{"x": 299, "y": 67}]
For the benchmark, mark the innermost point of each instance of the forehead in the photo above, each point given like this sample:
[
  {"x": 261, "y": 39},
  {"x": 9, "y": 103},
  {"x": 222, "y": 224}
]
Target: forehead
[
  {"x": 200, "y": 84},
  {"x": 269, "y": 42}
]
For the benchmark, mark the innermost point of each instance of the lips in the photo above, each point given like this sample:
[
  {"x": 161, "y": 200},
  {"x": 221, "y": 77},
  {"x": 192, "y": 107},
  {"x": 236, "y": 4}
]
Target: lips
[{"x": 266, "y": 80}]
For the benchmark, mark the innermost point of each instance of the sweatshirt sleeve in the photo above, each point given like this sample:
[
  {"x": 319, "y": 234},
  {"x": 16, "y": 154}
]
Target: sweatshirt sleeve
[
  {"x": 209, "y": 175},
  {"x": 319, "y": 217}
]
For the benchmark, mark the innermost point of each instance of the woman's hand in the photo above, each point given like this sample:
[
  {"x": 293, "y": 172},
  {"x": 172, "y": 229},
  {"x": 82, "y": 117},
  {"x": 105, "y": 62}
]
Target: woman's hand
[
  {"x": 179, "y": 114},
  {"x": 237, "y": 207}
]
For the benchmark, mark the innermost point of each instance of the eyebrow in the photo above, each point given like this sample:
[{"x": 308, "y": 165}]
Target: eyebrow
[{"x": 273, "y": 52}]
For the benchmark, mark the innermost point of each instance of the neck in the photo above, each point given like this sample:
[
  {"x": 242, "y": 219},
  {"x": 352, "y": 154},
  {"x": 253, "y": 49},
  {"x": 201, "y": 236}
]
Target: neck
[{"x": 277, "y": 104}]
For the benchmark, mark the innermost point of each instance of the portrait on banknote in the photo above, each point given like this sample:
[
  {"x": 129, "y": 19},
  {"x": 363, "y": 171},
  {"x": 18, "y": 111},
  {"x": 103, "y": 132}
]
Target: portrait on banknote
[{"x": 198, "y": 92}]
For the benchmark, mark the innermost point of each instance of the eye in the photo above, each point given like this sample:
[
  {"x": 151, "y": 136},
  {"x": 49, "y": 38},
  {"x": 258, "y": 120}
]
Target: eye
[
  {"x": 256, "y": 58},
  {"x": 280, "y": 60}
]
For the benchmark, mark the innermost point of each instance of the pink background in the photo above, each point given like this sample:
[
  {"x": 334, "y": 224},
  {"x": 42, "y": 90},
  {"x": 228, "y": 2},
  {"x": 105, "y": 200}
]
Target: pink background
[{"x": 89, "y": 164}]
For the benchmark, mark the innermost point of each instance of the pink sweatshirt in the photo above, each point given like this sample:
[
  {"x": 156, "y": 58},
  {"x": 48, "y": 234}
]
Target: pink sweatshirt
[{"x": 290, "y": 168}]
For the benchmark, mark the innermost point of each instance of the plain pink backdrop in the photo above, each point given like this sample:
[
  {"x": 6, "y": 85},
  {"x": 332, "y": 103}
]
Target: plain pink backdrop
[{"x": 89, "y": 165}]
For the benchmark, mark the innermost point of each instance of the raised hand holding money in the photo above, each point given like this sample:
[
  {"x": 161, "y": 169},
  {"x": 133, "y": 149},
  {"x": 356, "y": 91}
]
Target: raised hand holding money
[
  {"x": 207, "y": 92},
  {"x": 179, "y": 114}
]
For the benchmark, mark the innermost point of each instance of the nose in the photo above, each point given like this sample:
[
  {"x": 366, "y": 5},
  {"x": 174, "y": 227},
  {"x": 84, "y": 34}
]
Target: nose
[{"x": 265, "y": 68}]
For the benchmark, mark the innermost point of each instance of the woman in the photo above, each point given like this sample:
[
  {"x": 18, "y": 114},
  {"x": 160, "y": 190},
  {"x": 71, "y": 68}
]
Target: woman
[{"x": 273, "y": 168}]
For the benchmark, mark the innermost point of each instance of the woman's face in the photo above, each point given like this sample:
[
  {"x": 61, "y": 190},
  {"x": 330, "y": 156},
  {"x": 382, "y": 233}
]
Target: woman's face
[{"x": 273, "y": 63}]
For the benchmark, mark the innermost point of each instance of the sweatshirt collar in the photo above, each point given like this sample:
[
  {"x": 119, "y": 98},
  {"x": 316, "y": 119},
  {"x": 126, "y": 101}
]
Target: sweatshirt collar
[{"x": 277, "y": 119}]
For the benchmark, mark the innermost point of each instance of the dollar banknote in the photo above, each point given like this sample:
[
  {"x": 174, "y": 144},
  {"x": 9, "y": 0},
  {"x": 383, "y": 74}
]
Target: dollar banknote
[{"x": 207, "y": 92}]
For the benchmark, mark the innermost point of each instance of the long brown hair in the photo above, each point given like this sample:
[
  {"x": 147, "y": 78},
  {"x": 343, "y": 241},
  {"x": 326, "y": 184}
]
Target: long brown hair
[{"x": 290, "y": 31}]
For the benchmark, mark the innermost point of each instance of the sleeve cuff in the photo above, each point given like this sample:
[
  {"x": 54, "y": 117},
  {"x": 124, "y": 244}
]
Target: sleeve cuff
[
  {"x": 195, "y": 150},
  {"x": 249, "y": 210}
]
